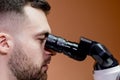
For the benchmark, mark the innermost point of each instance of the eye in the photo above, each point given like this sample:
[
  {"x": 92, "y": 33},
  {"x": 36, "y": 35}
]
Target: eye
[
  {"x": 42, "y": 37},
  {"x": 42, "y": 40}
]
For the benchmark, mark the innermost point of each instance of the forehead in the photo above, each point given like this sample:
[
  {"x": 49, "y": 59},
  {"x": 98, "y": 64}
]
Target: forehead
[{"x": 36, "y": 19}]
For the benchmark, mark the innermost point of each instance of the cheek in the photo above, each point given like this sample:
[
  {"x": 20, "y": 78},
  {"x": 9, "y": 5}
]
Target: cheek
[{"x": 34, "y": 51}]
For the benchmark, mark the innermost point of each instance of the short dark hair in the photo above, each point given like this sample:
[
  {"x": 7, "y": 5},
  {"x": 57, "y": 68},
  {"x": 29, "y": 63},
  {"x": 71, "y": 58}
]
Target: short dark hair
[{"x": 17, "y": 5}]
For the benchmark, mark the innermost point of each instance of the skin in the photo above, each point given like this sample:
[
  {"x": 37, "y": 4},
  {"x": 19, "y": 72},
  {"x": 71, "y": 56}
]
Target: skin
[{"x": 22, "y": 40}]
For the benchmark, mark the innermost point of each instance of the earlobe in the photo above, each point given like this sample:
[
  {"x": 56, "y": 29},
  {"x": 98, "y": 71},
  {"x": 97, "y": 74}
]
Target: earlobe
[{"x": 4, "y": 44}]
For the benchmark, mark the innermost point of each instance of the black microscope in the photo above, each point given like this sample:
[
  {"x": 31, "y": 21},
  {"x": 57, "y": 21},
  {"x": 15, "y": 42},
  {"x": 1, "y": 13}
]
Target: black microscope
[{"x": 78, "y": 51}]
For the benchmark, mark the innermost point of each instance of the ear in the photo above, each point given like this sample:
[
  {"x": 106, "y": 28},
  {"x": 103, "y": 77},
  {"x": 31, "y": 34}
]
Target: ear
[{"x": 5, "y": 43}]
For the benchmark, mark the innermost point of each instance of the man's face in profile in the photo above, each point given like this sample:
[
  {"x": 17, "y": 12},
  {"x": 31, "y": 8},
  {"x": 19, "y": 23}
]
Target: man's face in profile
[{"x": 29, "y": 60}]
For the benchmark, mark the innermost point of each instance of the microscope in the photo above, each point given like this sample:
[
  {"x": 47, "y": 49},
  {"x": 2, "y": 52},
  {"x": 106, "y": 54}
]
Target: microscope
[{"x": 78, "y": 51}]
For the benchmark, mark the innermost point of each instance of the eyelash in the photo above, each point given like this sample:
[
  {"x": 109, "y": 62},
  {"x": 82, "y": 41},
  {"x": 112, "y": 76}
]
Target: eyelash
[{"x": 42, "y": 40}]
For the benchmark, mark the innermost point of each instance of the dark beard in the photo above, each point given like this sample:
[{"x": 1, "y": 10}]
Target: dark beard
[{"x": 23, "y": 69}]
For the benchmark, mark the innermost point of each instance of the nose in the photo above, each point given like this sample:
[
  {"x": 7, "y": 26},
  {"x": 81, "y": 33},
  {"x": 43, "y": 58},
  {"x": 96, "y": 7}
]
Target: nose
[{"x": 50, "y": 52}]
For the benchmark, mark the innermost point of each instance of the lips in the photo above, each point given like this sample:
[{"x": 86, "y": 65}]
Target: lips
[
  {"x": 45, "y": 64},
  {"x": 44, "y": 68}
]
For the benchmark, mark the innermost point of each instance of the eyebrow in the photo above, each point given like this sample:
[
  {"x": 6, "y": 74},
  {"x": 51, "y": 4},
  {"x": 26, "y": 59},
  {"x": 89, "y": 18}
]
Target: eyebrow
[{"x": 44, "y": 33}]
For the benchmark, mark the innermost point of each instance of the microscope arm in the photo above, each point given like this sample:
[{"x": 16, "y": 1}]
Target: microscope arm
[{"x": 104, "y": 59}]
